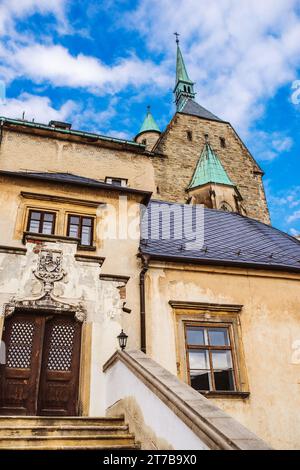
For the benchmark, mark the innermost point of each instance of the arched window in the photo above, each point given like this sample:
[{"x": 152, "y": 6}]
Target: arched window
[
  {"x": 225, "y": 207},
  {"x": 184, "y": 87},
  {"x": 144, "y": 141},
  {"x": 189, "y": 89}
]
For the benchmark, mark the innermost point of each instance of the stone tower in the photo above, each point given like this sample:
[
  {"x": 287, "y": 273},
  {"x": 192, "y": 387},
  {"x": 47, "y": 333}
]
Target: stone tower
[{"x": 186, "y": 138}]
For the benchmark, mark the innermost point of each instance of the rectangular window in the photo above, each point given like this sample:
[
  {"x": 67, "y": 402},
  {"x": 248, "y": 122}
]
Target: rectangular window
[
  {"x": 210, "y": 358},
  {"x": 116, "y": 181},
  {"x": 81, "y": 227},
  {"x": 41, "y": 222}
]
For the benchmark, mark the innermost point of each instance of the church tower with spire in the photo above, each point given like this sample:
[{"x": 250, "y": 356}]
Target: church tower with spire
[
  {"x": 184, "y": 87},
  {"x": 205, "y": 161}
]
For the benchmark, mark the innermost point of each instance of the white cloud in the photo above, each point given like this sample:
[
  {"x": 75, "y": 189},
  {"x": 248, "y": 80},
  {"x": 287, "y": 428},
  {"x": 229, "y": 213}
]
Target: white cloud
[
  {"x": 285, "y": 207},
  {"x": 239, "y": 51},
  {"x": 269, "y": 146},
  {"x": 55, "y": 65},
  {"x": 36, "y": 107},
  {"x": 80, "y": 114},
  {"x": 12, "y": 10},
  {"x": 293, "y": 217}
]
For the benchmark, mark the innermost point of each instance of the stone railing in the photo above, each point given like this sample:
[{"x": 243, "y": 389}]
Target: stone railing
[{"x": 165, "y": 413}]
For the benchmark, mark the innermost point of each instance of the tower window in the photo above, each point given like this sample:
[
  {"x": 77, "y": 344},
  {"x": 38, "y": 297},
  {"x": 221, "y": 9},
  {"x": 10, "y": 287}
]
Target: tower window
[
  {"x": 184, "y": 88},
  {"x": 144, "y": 141},
  {"x": 189, "y": 89},
  {"x": 189, "y": 135},
  {"x": 225, "y": 207},
  {"x": 223, "y": 142}
]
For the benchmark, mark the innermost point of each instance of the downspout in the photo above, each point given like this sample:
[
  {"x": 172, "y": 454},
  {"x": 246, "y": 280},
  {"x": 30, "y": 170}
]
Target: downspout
[
  {"x": 1, "y": 130},
  {"x": 145, "y": 261}
]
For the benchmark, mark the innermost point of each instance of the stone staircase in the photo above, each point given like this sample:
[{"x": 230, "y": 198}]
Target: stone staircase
[{"x": 57, "y": 433}]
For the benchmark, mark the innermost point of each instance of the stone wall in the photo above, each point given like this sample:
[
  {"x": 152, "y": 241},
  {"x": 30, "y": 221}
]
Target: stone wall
[{"x": 173, "y": 173}]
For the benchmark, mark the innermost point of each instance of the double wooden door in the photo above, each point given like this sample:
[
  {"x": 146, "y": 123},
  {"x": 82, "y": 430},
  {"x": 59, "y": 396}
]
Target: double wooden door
[{"x": 41, "y": 373}]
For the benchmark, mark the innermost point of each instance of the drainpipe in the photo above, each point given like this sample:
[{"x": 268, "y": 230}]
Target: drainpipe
[
  {"x": 145, "y": 261},
  {"x": 1, "y": 130}
]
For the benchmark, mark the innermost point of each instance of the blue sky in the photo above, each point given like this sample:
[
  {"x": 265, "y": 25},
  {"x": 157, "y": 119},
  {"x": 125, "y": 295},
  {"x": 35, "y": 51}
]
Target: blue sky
[{"x": 99, "y": 64}]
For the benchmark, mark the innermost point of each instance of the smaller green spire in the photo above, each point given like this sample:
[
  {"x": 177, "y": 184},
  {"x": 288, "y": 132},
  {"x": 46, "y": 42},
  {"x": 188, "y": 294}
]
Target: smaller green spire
[
  {"x": 149, "y": 123},
  {"x": 209, "y": 170}
]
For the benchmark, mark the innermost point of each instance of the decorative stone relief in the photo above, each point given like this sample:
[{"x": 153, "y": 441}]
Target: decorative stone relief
[{"x": 49, "y": 270}]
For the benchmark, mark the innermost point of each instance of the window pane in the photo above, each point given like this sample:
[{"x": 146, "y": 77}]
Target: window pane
[
  {"x": 74, "y": 220},
  {"x": 34, "y": 226},
  {"x": 49, "y": 217},
  {"x": 200, "y": 379},
  {"x": 35, "y": 216},
  {"x": 195, "y": 336},
  {"x": 86, "y": 236},
  {"x": 87, "y": 222},
  {"x": 47, "y": 228},
  {"x": 198, "y": 360},
  {"x": 224, "y": 380},
  {"x": 218, "y": 337},
  {"x": 73, "y": 231},
  {"x": 116, "y": 182},
  {"x": 221, "y": 359}
]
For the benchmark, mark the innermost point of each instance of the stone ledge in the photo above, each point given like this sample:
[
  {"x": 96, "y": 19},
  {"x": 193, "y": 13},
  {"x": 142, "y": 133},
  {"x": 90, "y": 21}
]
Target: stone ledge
[
  {"x": 211, "y": 424},
  {"x": 14, "y": 250}
]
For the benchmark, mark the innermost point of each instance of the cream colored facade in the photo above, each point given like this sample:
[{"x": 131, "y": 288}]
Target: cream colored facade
[
  {"x": 269, "y": 330},
  {"x": 262, "y": 306}
]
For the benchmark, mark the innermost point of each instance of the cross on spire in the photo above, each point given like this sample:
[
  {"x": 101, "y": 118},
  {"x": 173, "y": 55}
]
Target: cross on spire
[{"x": 177, "y": 37}]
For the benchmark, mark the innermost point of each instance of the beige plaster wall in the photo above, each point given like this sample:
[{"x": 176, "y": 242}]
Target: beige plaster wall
[
  {"x": 103, "y": 299},
  {"x": 29, "y": 152},
  {"x": 270, "y": 325}
]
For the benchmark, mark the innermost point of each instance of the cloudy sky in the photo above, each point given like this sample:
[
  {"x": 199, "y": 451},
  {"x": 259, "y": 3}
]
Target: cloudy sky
[{"x": 98, "y": 64}]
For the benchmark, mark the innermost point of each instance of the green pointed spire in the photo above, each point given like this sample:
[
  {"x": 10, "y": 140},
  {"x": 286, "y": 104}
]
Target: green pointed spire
[
  {"x": 209, "y": 170},
  {"x": 184, "y": 87},
  {"x": 181, "y": 72},
  {"x": 149, "y": 123}
]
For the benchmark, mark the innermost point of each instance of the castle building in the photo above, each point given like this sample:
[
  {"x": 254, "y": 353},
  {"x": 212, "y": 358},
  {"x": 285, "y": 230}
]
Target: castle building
[{"x": 167, "y": 239}]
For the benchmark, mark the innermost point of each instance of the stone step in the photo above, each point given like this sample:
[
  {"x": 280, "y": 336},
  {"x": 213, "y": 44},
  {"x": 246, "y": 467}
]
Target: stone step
[
  {"x": 59, "y": 421},
  {"x": 25, "y": 431},
  {"x": 109, "y": 441}
]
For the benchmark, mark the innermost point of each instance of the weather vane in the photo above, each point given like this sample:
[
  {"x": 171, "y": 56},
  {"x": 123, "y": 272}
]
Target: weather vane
[{"x": 177, "y": 37}]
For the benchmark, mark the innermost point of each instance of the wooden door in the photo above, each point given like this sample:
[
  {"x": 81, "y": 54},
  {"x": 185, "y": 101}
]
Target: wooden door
[
  {"x": 20, "y": 376},
  {"x": 41, "y": 373},
  {"x": 60, "y": 368}
]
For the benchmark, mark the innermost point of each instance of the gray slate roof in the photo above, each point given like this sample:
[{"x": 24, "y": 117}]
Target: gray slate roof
[
  {"x": 229, "y": 239},
  {"x": 60, "y": 177},
  {"x": 193, "y": 108}
]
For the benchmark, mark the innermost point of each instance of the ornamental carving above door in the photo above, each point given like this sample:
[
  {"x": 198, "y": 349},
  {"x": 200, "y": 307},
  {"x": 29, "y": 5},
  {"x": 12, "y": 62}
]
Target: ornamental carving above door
[{"x": 48, "y": 271}]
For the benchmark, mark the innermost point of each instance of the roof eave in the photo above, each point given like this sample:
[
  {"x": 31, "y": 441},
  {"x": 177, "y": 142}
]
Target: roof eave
[{"x": 211, "y": 262}]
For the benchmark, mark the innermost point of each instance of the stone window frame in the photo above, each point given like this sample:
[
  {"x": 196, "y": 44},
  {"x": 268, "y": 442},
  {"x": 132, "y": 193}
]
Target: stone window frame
[{"x": 208, "y": 314}]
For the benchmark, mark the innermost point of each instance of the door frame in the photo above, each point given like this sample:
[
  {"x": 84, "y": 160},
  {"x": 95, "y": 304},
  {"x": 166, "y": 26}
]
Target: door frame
[{"x": 83, "y": 397}]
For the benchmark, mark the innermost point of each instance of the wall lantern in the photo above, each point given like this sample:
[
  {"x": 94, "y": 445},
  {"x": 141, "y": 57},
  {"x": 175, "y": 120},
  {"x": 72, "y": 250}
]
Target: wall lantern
[{"x": 122, "y": 338}]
